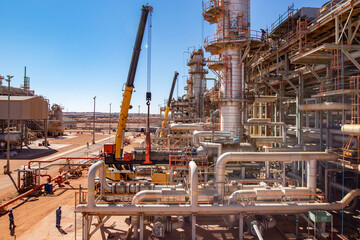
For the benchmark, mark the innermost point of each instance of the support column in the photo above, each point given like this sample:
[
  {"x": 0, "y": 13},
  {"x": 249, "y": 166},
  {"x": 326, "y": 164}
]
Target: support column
[
  {"x": 283, "y": 174},
  {"x": 267, "y": 170},
  {"x": 307, "y": 119},
  {"x": 266, "y": 116},
  {"x": 326, "y": 185},
  {"x": 193, "y": 226},
  {"x": 241, "y": 226},
  {"x": 298, "y": 112},
  {"x": 321, "y": 132},
  {"x": 142, "y": 229},
  {"x": 254, "y": 128},
  {"x": 206, "y": 174},
  {"x": 45, "y": 131},
  {"x": 26, "y": 133},
  {"x": 311, "y": 176},
  {"x": 86, "y": 226},
  {"x": 21, "y": 133},
  {"x": 136, "y": 232},
  {"x": 260, "y": 115}
]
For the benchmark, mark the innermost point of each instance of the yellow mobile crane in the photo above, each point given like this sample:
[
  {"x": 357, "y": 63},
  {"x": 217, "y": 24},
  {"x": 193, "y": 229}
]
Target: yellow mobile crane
[
  {"x": 163, "y": 125},
  {"x": 114, "y": 152}
]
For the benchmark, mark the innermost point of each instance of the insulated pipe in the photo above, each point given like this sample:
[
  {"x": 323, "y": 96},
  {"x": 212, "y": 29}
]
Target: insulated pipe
[
  {"x": 270, "y": 221},
  {"x": 273, "y": 194},
  {"x": 179, "y": 224},
  {"x": 197, "y": 133},
  {"x": 353, "y": 129},
  {"x": 265, "y": 99},
  {"x": 194, "y": 184},
  {"x": 91, "y": 181},
  {"x": 340, "y": 187},
  {"x": 213, "y": 145},
  {"x": 262, "y": 123},
  {"x": 249, "y": 209},
  {"x": 104, "y": 185},
  {"x": 185, "y": 127},
  {"x": 325, "y": 106},
  {"x": 311, "y": 175},
  {"x": 146, "y": 194},
  {"x": 263, "y": 157},
  {"x": 254, "y": 224},
  {"x": 258, "y": 120}
]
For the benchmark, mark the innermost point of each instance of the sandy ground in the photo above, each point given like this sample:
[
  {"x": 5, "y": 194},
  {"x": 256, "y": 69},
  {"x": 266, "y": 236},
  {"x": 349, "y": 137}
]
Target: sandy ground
[
  {"x": 72, "y": 145},
  {"x": 35, "y": 218}
]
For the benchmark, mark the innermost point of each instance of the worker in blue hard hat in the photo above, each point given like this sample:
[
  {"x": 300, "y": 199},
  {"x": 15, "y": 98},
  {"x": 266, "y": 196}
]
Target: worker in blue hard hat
[
  {"x": 58, "y": 216},
  {"x": 11, "y": 219}
]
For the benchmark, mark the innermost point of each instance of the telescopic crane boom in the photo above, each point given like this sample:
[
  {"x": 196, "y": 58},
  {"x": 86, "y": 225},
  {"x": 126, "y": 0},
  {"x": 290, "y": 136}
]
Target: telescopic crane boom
[
  {"x": 163, "y": 125},
  {"x": 129, "y": 86}
]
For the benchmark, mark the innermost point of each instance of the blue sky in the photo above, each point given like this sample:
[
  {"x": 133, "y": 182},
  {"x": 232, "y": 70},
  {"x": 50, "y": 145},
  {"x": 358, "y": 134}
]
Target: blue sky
[{"x": 77, "y": 49}]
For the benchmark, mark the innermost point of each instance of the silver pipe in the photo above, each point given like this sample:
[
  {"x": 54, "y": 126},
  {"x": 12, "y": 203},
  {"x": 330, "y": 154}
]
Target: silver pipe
[
  {"x": 258, "y": 120},
  {"x": 273, "y": 194},
  {"x": 262, "y": 123},
  {"x": 340, "y": 187},
  {"x": 249, "y": 209},
  {"x": 311, "y": 168},
  {"x": 146, "y": 194},
  {"x": 194, "y": 183},
  {"x": 263, "y": 157},
  {"x": 211, "y": 133},
  {"x": 325, "y": 106},
  {"x": 351, "y": 129},
  {"x": 91, "y": 181},
  {"x": 213, "y": 145},
  {"x": 185, "y": 126},
  {"x": 270, "y": 221},
  {"x": 257, "y": 230},
  {"x": 104, "y": 185},
  {"x": 179, "y": 224},
  {"x": 265, "y": 99}
]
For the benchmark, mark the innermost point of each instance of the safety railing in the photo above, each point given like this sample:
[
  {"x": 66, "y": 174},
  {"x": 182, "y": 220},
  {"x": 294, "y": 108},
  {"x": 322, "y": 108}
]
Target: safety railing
[
  {"x": 234, "y": 27},
  {"x": 212, "y": 4},
  {"x": 214, "y": 59},
  {"x": 238, "y": 36},
  {"x": 290, "y": 12},
  {"x": 324, "y": 13},
  {"x": 80, "y": 197},
  {"x": 335, "y": 84}
]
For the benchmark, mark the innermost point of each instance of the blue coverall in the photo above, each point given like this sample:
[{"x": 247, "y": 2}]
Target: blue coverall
[
  {"x": 58, "y": 217},
  {"x": 11, "y": 219}
]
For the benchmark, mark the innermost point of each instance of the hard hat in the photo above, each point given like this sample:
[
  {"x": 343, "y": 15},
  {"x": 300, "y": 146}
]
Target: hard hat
[
  {"x": 10, "y": 209},
  {"x": 59, "y": 206}
]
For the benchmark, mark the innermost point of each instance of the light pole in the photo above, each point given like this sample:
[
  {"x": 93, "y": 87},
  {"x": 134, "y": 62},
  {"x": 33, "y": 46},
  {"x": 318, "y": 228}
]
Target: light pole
[
  {"x": 94, "y": 122},
  {"x": 110, "y": 121},
  {"x": 7, "y": 170}
]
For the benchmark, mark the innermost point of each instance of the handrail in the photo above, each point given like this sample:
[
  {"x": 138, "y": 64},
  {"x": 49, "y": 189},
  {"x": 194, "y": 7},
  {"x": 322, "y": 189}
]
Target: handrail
[
  {"x": 242, "y": 35},
  {"x": 57, "y": 159},
  {"x": 324, "y": 10}
]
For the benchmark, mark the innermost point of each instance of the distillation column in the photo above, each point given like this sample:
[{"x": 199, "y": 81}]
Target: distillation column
[
  {"x": 233, "y": 24},
  {"x": 197, "y": 79}
]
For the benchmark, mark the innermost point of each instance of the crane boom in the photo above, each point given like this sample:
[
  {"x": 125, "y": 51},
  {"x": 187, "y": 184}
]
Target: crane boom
[
  {"x": 129, "y": 86},
  {"x": 163, "y": 125}
]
